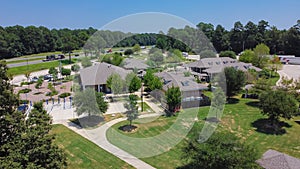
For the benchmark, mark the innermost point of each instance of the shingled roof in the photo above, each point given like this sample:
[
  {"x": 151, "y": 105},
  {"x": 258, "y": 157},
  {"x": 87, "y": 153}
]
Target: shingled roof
[
  {"x": 135, "y": 63},
  {"x": 178, "y": 79},
  {"x": 215, "y": 65},
  {"x": 276, "y": 160},
  {"x": 99, "y": 73}
]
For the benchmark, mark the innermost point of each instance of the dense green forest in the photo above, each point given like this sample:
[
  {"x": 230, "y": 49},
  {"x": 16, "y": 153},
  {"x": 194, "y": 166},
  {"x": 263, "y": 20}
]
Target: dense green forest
[{"x": 18, "y": 40}]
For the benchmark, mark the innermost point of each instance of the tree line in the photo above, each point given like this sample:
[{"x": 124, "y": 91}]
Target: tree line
[
  {"x": 18, "y": 40},
  {"x": 247, "y": 36}
]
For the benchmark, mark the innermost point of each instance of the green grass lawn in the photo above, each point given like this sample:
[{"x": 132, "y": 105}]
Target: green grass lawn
[
  {"x": 147, "y": 129},
  {"x": 81, "y": 153},
  {"x": 237, "y": 118},
  {"x": 36, "y": 67},
  {"x": 274, "y": 79},
  {"x": 46, "y": 53}
]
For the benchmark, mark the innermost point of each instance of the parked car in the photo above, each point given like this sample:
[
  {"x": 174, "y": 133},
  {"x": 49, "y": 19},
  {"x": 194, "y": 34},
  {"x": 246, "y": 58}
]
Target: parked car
[
  {"x": 48, "y": 77},
  {"x": 34, "y": 79},
  {"x": 61, "y": 56}
]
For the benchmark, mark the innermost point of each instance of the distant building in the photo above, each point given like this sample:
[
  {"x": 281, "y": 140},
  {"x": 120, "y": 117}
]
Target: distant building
[
  {"x": 136, "y": 65},
  {"x": 131, "y": 64},
  {"x": 207, "y": 67},
  {"x": 191, "y": 91},
  {"x": 193, "y": 57},
  {"x": 272, "y": 159},
  {"x": 97, "y": 75}
]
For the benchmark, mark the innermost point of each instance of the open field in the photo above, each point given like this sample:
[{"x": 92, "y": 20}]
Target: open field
[
  {"x": 36, "y": 67},
  {"x": 81, "y": 153},
  {"x": 240, "y": 118},
  {"x": 40, "y": 54}
]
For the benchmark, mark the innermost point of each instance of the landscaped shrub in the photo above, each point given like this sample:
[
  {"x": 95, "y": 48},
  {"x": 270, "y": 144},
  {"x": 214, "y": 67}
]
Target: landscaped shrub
[
  {"x": 53, "y": 93},
  {"x": 26, "y": 90},
  {"x": 26, "y": 83},
  {"x": 24, "y": 101},
  {"x": 63, "y": 95}
]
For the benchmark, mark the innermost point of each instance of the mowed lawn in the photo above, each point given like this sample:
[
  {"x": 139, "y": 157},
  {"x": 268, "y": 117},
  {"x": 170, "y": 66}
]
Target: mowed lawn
[
  {"x": 37, "y": 67},
  {"x": 237, "y": 118},
  {"x": 81, "y": 153}
]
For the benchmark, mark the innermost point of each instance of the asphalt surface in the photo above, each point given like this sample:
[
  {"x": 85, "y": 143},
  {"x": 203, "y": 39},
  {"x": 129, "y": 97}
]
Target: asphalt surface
[
  {"x": 32, "y": 57},
  {"x": 24, "y": 63}
]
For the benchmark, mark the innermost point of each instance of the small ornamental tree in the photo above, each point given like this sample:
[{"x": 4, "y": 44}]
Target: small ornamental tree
[
  {"x": 39, "y": 83},
  {"x": 132, "y": 108},
  {"x": 65, "y": 72},
  {"x": 75, "y": 68},
  {"x": 53, "y": 71},
  {"x": 173, "y": 98},
  {"x": 115, "y": 83},
  {"x": 90, "y": 102},
  {"x": 133, "y": 82},
  {"x": 102, "y": 104}
]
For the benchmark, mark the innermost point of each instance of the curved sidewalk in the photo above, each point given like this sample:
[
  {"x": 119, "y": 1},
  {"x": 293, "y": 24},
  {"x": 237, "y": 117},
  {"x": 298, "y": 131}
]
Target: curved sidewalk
[{"x": 98, "y": 136}]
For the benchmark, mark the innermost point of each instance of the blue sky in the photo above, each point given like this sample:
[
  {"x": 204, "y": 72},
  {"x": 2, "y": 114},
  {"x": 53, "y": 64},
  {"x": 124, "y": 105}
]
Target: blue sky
[{"x": 96, "y": 13}]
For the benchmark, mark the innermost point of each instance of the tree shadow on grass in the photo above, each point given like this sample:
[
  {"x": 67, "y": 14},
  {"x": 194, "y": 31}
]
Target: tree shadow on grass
[
  {"x": 253, "y": 103},
  {"x": 128, "y": 128},
  {"x": 265, "y": 126},
  {"x": 212, "y": 119},
  {"x": 233, "y": 101},
  {"x": 88, "y": 121}
]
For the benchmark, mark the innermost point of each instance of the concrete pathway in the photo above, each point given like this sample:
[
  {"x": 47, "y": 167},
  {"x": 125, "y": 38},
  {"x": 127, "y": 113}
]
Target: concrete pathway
[{"x": 98, "y": 135}]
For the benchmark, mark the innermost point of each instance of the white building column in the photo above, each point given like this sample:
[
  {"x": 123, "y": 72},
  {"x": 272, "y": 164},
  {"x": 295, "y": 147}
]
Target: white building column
[{"x": 98, "y": 88}]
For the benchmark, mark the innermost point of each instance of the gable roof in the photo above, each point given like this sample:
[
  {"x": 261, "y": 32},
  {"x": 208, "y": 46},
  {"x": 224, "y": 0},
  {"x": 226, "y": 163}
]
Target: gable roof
[
  {"x": 135, "y": 63},
  {"x": 99, "y": 73},
  {"x": 276, "y": 160},
  {"x": 215, "y": 65}
]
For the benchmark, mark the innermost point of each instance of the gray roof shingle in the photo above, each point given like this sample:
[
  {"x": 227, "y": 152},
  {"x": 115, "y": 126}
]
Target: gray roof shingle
[
  {"x": 215, "y": 65},
  {"x": 276, "y": 160},
  {"x": 178, "y": 79},
  {"x": 99, "y": 73},
  {"x": 135, "y": 63}
]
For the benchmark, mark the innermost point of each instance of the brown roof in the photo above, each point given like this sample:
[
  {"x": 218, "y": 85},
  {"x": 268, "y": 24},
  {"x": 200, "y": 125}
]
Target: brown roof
[{"x": 276, "y": 160}]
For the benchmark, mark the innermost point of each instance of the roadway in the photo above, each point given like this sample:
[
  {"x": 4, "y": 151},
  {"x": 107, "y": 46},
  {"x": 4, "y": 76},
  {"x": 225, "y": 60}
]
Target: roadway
[{"x": 24, "y": 63}]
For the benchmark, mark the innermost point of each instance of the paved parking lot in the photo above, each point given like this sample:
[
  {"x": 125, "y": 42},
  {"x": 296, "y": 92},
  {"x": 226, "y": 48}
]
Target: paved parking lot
[
  {"x": 117, "y": 107},
  {"x": 291, "y": 71},
  {"x": 40, "y": 94}
]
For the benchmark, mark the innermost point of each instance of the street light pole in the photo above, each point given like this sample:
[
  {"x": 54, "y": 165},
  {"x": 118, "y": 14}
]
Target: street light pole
[{"x": 142, "y": 103}]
